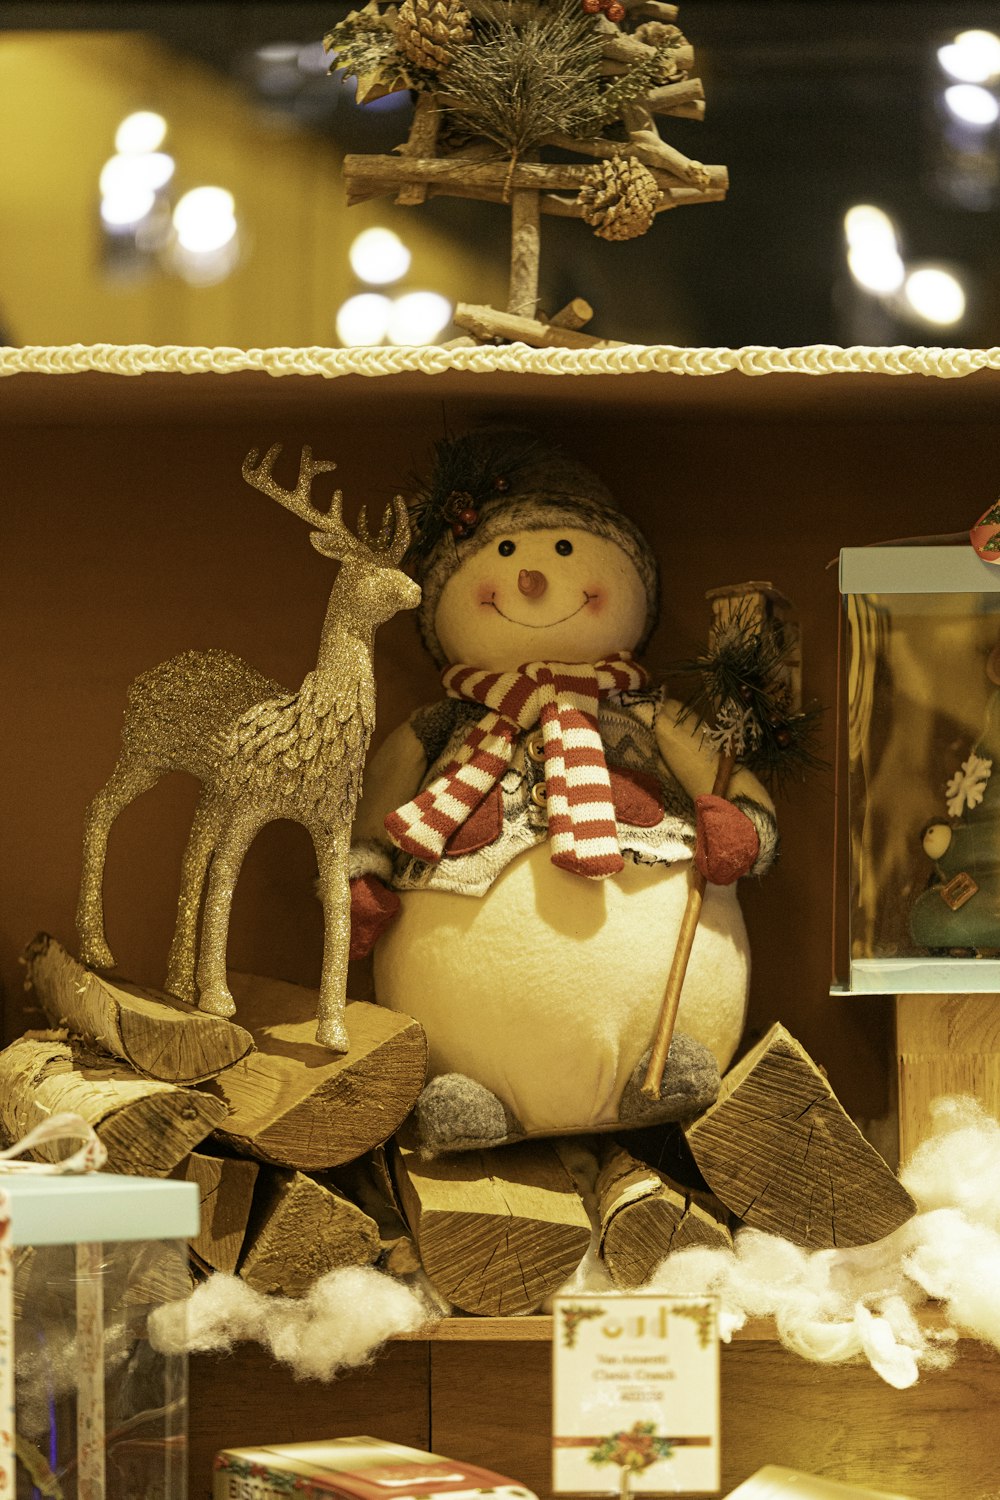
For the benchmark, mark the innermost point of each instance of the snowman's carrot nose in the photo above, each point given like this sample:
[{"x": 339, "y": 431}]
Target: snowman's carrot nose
[{"x": 532, "y": 583}]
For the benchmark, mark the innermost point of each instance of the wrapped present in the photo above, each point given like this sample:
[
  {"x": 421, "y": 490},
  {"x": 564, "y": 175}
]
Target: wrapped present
[{"x": 354, "y": 1468}]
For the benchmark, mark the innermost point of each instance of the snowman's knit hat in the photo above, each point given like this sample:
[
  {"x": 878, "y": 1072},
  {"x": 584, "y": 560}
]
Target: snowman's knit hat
[{"x": 492, "y": 482}]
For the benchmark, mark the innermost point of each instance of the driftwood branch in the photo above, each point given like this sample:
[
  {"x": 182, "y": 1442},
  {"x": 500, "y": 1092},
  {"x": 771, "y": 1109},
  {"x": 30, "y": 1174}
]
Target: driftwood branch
[
  {"x": 653, "y": 10},
  {"x": 525, "y": 249},
  {"x": 665, "y": 99},
  {"x": 372, "y": 176},
  {"x": 647, "y": 147},
  {"x": 576, "y": 314},
  {"x": 421, "y": 141},
  {"x": 626, "y": 50},
  {"x": 486, "y": 324}
]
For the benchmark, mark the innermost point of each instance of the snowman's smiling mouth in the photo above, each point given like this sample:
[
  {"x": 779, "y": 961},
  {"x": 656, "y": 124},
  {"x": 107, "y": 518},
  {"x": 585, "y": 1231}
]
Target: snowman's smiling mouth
[{"x": 530, "y": 624}]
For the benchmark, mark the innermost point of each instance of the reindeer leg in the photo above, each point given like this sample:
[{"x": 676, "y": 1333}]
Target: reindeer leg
[
  {"x": 180, "y": 980},
  {"x": 128, "y": 780},
  {"x": 336, "y": 892},
  {"x": 213, "y": 987}
]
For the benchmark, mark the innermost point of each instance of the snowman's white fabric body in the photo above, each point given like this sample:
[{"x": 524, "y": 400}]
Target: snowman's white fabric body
[
  {"x": 537, "y": 983},
  {"x": 544, "y": 986}
]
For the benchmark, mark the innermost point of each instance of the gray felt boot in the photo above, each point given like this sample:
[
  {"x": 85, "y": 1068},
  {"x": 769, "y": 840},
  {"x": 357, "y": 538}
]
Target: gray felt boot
[
  {"x": 454, "y": 1113},
  {"x": 690, "y": 1084}
]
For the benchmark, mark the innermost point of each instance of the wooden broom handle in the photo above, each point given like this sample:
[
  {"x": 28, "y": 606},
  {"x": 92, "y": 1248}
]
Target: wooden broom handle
[{"x": 682, "y": 952}]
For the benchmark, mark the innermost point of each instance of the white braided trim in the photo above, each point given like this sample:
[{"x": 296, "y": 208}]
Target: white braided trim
[{"x": 628, "y": 359}]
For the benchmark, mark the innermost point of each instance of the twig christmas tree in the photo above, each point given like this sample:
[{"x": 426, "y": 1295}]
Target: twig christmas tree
[{"x": 502, "y": 84}]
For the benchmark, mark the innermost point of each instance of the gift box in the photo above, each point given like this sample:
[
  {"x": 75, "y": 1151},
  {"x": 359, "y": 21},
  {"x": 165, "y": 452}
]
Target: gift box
[
  {"x": 89, "y": 1407},
  {"x": 922, "y": 723},
  {"x": 354, "y": 1468},
  {"x": 777, "y": 1483}
]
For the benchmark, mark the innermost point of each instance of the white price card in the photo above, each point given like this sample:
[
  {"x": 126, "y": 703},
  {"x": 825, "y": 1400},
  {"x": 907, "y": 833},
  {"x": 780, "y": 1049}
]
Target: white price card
[{"x": 635, "y": 1402}]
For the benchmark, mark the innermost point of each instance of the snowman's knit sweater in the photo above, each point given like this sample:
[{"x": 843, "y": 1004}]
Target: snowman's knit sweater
[
  {"x": 562, "y": 699},
  {"x": 627, "y": 728}
]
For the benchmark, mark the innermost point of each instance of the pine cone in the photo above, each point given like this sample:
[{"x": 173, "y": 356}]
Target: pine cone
[
  {"x": 430, "y": 32},
  {"x": 620, "y": 198}
]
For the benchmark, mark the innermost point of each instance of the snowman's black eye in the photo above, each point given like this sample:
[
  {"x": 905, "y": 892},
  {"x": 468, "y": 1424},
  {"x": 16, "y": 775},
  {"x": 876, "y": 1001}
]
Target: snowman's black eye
[
  {"x": 563, "y": 547},
  {"x": 505, "y": 548}
]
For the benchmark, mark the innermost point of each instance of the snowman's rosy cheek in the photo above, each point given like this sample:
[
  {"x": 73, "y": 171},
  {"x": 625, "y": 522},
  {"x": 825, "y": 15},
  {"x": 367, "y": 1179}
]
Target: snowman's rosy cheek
[
  {"x": 597, "y": 600},
  {"x": 485, "y": 592}
]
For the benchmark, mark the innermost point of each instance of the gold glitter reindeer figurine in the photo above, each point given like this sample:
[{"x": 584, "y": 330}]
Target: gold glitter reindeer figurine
[{"x": 262, "y": 753}]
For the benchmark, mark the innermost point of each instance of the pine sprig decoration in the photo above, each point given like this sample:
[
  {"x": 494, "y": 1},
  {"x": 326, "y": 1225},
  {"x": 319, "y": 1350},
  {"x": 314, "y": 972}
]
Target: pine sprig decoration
[
  {"x": 468, "y": 471},
  {"x": 636, "y": 1449},
  {"x": 744, "y": 703},
  {"x": 529, "y": 74},
  {"x": 625, "y": 89}
]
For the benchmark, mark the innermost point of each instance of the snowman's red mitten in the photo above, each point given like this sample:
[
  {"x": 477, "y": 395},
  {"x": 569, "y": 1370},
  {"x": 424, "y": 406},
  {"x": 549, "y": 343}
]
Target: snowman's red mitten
[
  {"x": 373, "y": 908},
  {"x": 726, "y": 842}
]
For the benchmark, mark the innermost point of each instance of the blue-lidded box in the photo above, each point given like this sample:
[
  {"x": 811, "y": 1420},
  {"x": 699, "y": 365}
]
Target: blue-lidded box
[
  {"x": 88, "y": 1407},
  {"x": 922, "y": 699}
]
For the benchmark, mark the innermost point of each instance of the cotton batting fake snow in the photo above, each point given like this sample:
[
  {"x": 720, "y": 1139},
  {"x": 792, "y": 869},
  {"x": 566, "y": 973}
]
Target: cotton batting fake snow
[
  {"x": 959, "y": 1165},
  {"x": 339, "y": 1324},
  {"x": 828, "y": 1305},
  {"x": 834, "y": 1305}
]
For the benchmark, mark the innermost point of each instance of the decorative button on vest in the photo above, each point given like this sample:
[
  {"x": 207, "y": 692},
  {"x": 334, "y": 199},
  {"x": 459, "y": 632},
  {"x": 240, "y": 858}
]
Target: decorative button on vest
[
  {"x": 539, "y": 794},
  {"x": 536, "y": 749}
]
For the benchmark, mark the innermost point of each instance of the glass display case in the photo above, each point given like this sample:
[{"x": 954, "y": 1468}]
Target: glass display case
[
  {"x": 97, "y": 1410},
  {"x": 923, "y": 747}
]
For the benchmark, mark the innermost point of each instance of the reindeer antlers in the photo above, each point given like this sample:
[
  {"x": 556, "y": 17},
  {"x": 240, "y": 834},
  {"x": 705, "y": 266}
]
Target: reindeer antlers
[
  {"x": 394, "y": 532},
  {"x": 297, "y": 500}
]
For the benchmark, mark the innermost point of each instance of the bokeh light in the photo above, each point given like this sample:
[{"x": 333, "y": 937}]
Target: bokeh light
[
  {"x": 363, "y": 319},
  {"x": 418, "y": 318},
  {"x": 379, "y": 257},
  {"x": 205, "y": 220},
  {"x": 144, "y": 130}
]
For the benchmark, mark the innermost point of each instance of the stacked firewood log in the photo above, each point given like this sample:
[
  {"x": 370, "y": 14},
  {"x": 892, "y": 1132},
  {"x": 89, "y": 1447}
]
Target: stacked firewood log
[{"x": 294, "y": 1153}]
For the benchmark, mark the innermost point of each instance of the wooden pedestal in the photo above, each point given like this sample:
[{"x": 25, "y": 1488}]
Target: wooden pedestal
[
  {"x": 480, "y": 1390},
  {"x": 945, "y": 1044}
]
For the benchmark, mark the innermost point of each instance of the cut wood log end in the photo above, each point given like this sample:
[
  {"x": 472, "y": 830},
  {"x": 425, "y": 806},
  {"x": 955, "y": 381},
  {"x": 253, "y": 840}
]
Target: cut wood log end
[
  {"x": 226, "y": 1187},
  {"x": 154, "y": 1033},
  {"x": 497, "y": 1231},
  {"x": 294, "y": 1104},
  {"x": 299, "y": 1231},
  {"x": 780, "y": 1151},
  {"x": 644, "y": 1216},
  {"x": 146, "y": 1126}
]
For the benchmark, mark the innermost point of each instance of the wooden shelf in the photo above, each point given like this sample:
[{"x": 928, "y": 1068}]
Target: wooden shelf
[
  {"x": 535, "y": 1330},
  {"x": 128, "y": 534}
]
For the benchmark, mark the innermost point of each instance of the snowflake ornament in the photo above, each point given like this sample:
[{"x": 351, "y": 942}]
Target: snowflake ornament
[{"x": 967, "y": 786}]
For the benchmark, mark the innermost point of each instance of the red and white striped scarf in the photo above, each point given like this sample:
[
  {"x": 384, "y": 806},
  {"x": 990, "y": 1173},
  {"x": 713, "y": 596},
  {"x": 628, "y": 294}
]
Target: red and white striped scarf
[{"x": 560, "y": 696}]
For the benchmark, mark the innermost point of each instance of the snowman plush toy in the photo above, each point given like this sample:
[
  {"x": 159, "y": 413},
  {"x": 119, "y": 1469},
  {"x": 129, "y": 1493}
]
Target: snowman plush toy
[{"x": 521, "y": 855}]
